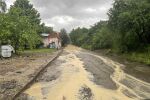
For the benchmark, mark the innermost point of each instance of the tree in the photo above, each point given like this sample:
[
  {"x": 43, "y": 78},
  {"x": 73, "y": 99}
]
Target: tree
[
  {"x": 102, "y": 38},
  {"x": 20, "y": 27},
  {"x": 127, "y": 28},
  {"x": 5, "y": 33},
  {"x": 4, "y": 27},
  {"x": 64, "y": 37},
  {"x": 3, "y": 6},
  {"x": 29, "y": 11},
  {"x": 80, "y": 37},
  {"x": 129, "y": 20},
  {"x": 45, "y": 29}
]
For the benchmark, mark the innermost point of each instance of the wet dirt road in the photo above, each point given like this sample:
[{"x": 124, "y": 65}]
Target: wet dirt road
[{"x": 81, "y": 75}]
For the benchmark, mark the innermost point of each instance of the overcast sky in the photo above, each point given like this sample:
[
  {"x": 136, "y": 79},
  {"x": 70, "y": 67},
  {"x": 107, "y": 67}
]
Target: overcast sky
[{"x": 70, "y": 14}]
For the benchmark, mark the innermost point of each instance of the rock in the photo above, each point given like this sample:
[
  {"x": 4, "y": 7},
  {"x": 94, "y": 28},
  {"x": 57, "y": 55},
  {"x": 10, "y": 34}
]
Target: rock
[
  {"x": 8, "y": 84},
  {"x": 19, "y": 72}
]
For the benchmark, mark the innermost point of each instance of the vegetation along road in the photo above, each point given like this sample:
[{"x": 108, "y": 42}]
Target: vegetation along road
[{"x": 82, "y": 75}]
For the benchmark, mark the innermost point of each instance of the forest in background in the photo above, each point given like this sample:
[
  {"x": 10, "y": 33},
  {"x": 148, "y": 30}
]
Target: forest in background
[{"x": 127, "y": 31}]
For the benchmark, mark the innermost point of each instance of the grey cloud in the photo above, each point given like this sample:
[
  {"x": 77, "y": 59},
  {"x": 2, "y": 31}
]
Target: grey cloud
[{"x": 71, "y": 13}]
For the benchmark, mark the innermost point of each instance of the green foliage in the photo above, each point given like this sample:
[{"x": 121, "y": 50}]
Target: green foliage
[
  {"x": 98, "y": 36},
  {"x": 102, "y": 38},
  {"x": 37, "y": 51},
  {"x": 27, "y": 10},
  {"x": 45, "y": 29},
  {"x": 4, "y": 28},
  {"x": 64, "y": 37},
  {"x": 129, "y": 20},
  {"x": 127, "y": 29},
  {"x": 79, "y": 37},
  {"x": 25, "y": 24},
  {"x": 18, "y": 27}
]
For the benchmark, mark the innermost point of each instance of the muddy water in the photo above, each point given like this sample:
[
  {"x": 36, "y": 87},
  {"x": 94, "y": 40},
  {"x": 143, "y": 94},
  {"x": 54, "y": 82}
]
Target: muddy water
[
  {"x": 127, "y": 84},
  {"x": 75, "y": 83}
]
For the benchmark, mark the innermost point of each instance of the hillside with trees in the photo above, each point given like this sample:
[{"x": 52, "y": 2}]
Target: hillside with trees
[{"x": 127, "y": 31}]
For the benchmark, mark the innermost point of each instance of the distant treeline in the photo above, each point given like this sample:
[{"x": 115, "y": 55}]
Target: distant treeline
[{"x": 127, "y": 29}]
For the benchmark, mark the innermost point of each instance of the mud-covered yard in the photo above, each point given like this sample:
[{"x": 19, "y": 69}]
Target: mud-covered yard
[{"x": 17, "y": 71}]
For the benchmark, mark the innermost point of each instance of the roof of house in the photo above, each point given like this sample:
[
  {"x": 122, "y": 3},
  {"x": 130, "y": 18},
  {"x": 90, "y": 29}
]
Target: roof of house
[{"x": 54, "y": 35}]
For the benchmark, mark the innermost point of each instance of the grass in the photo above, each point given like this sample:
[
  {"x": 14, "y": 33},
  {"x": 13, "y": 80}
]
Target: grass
[
  {"x": 136, "y": 56},
  {"x": 35, "y": 51},
  {"x": 142, "y": 57}
]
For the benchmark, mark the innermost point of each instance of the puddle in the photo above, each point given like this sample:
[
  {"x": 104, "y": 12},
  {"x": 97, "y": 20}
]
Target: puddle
[{"x": 73, "y": 84}]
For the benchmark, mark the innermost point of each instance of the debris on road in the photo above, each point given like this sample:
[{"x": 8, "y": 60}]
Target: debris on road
[{"x": 85, "y": 93}]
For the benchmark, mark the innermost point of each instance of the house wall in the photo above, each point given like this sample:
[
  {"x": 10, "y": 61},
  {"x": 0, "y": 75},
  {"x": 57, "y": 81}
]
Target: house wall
[
  {"x": 51, "y": 40},
  {"x": 56, "y": 41},
  {"x": 46, "y": 42}
]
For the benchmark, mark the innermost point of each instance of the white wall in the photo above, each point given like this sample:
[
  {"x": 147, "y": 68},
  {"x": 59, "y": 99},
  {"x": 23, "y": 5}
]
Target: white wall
[{"x": 46, "y": 42}]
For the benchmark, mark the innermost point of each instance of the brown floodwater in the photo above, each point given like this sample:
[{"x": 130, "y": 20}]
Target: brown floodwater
[{"x": 74, "y": 77}]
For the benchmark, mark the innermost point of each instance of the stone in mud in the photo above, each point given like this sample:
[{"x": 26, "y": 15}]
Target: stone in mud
[
  {"x": 44, "y": 98},
  {"x": 85, "y": 93},
  {"x": 47, "y": 78},
  {"x": 18, "y": 72},
  {"x": 64, "y": 98},
  {"x": 24, "y": 96},
  {"x": 8, "y": 84}
]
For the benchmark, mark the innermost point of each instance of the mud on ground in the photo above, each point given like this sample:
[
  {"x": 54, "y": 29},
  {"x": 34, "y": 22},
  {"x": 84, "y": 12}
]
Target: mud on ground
[
  {"x": 78, "y": 75},
  {"x": 17, "y": 71},
  {"x": 83, "y": 75},
  {"x": 136, "y": 69}
]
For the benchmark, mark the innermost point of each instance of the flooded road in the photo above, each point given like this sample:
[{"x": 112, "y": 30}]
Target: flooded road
[{"x": 81, "y": 75}]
